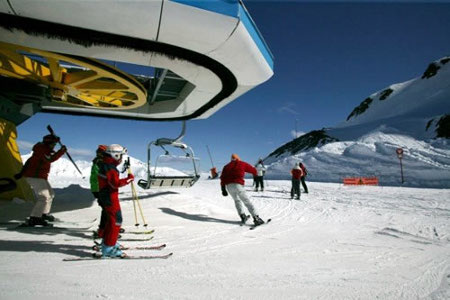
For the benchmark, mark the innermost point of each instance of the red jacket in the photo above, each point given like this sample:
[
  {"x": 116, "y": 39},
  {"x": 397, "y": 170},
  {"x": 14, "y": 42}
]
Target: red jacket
[
  {"x": 38, "y": 165},
  {"x": 297, "y": 173},
  {"x": 234, "y": 172},
  {"x": 109, "y": 182},
  {"x": 305, "y": 172}
]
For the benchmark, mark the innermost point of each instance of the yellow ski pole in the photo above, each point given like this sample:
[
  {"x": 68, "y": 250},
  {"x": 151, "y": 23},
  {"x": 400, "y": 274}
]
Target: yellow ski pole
[
  {"x": 127, "y": 167},
  {"x": 134, "y": 206},
  {"x": 135, "y": 198},
  {"x": 140, "y": 208}
]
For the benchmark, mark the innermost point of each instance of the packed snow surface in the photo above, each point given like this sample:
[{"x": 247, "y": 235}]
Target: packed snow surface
[{"x": 337, "y": 242}]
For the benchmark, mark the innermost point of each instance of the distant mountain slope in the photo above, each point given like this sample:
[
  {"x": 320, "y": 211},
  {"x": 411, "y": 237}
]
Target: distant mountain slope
[
  {"x": 425, "y": 97},
  {"x": 413, "y": 115}
]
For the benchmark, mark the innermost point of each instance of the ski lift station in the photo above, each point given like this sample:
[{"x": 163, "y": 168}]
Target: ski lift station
[{"x": 142, "y": 60}]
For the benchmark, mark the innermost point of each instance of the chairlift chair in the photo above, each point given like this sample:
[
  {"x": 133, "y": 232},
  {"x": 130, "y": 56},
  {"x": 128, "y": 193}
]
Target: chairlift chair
[{"x": 169, "y": 181}]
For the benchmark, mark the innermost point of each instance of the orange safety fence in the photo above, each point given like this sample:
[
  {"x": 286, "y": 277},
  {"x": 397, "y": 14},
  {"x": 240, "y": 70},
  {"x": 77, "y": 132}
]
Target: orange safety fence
[{"x": 361, "y": 181}]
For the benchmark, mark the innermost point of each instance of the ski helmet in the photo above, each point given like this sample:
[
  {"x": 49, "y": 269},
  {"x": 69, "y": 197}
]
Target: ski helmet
[
  {"x": 116, "y": 151},
  {"x": 101, "y": 148},
  {"x": 50, "y": 139}
]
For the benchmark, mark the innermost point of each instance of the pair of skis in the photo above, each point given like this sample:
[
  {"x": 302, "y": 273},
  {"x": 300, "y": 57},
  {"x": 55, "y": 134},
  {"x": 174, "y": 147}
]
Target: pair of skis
[
  {"x": 97, "y": 247},
  {"x": 59, "y": 224},
  {"x": 253, "y": 226},
  {"x": 146, "y": 232},
  {"x": 98, "y": 255}
]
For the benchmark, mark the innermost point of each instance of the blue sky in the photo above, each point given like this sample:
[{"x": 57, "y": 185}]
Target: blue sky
[{"x": 329, "y": 56}]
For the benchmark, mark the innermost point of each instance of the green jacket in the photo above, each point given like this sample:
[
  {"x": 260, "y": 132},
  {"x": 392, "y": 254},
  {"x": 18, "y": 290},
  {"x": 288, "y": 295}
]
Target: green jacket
[{"x": 94, "y": 174}]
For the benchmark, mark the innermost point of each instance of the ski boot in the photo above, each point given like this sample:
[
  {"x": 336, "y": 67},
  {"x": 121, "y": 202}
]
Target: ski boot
[
  {"x": 257, "y": 220},
  {"x": 244, "y": 218},
  {"x": 48, "y": 217},
  {"x": 112, "y": 251},
  {"x": 34, "y": 221}
]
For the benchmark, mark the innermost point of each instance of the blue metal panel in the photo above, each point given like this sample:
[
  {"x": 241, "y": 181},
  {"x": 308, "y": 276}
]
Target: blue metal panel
[
  {"x": 256, "y": 35},
  {"x": 224, "y": 7},
  {"x": 234, "y": 8}
]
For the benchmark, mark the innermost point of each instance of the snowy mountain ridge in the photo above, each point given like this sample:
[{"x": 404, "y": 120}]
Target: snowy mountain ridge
[
  {"x": 413, "y": 115},
  {"x": 426, "y": 96}
]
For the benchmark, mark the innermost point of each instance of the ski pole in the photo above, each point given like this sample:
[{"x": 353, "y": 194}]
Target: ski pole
[
  {"x": 139, "y": 205},
  {"x": 135, "y": 197},
  {"x": 134, "y": 207},
  {"x": 67, "y": 152},
  {"x": 126, "y": 167}
]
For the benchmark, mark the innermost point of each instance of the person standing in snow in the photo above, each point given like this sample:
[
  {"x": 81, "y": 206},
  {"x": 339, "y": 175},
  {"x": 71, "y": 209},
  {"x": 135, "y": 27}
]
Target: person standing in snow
[
  {"x": 259, "y": 178},
  {"x": 232, "y": 180},
  {"x": 35, "y": 171},
  {"x": 305, "y": 173},
  {"x": 109, "y": 184},
  {"x": 95, "y": 189},
  {"x": 297, "y": 174}
]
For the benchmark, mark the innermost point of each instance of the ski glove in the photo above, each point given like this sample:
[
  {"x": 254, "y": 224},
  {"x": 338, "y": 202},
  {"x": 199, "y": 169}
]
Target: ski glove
[
  {"x": 130, "y": 178},
  {"x": 224, "y": 191},
  {"x": 63, "y": 149}
]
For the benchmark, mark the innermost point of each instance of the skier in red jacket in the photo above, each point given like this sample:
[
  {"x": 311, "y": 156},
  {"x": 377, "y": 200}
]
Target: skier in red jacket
[
  {"x": 232, "y": 179},
  {"x": 297, "y": 174},
  {"x": 109, "y": 184},
  {"x": 35, "y": 171}
]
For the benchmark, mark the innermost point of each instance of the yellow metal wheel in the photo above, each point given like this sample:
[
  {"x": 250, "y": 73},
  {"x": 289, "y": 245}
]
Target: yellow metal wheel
[{"x": 73, "y": 80}]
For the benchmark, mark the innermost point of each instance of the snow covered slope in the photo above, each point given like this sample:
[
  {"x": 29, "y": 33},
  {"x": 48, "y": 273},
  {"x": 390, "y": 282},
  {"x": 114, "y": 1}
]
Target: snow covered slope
[
  {"x": 338, "y": 242},
  {"x": 414, "y": 115}
]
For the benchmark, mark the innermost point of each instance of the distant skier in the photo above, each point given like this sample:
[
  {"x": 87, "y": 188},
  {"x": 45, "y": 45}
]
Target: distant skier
[
  {"x": 305, "y": 173},
  {"x": 260, "y": 172},
  {"x": 35, "y": 171},
  {"x": 109, "y": 184},
  {"x": 297, "y": 174},
  {"x": 95, "y": 189},
  {"x": 232, "y": 179}
]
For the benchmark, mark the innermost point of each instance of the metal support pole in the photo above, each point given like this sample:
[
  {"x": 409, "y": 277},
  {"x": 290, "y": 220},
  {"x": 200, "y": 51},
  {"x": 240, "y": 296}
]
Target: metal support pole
[
  {"x": 400, "y": 156},
  {"x": 401, "y": 170}
]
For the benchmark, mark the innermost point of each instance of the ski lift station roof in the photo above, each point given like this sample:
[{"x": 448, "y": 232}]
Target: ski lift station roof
[{"x": 148, "y": 59}]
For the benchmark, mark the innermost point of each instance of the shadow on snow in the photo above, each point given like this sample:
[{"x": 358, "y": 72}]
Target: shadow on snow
[{"x": 195, "y": 217}]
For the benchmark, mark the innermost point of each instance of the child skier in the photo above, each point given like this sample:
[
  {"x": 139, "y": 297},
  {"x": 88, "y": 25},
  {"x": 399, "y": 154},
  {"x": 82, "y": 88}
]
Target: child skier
[
  {"x": 94, "y": 187},
  {"x": 109, "y": 184},
  {"x": 232, "y": 179}
]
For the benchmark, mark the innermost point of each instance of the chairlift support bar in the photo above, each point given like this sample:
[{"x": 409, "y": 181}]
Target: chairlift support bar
[
  {"x": 154, "y": 181},
  {"x": 158, "y": 85}
]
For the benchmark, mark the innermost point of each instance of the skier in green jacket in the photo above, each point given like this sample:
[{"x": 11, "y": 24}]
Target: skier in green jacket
[{"x": 95, "y": 189}]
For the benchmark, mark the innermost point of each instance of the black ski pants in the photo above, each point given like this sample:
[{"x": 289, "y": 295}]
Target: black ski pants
[
  {"x": 304, "y": 184},
  {"x": 259, "y": 181},
  {"x": 295, "y": 190}
]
